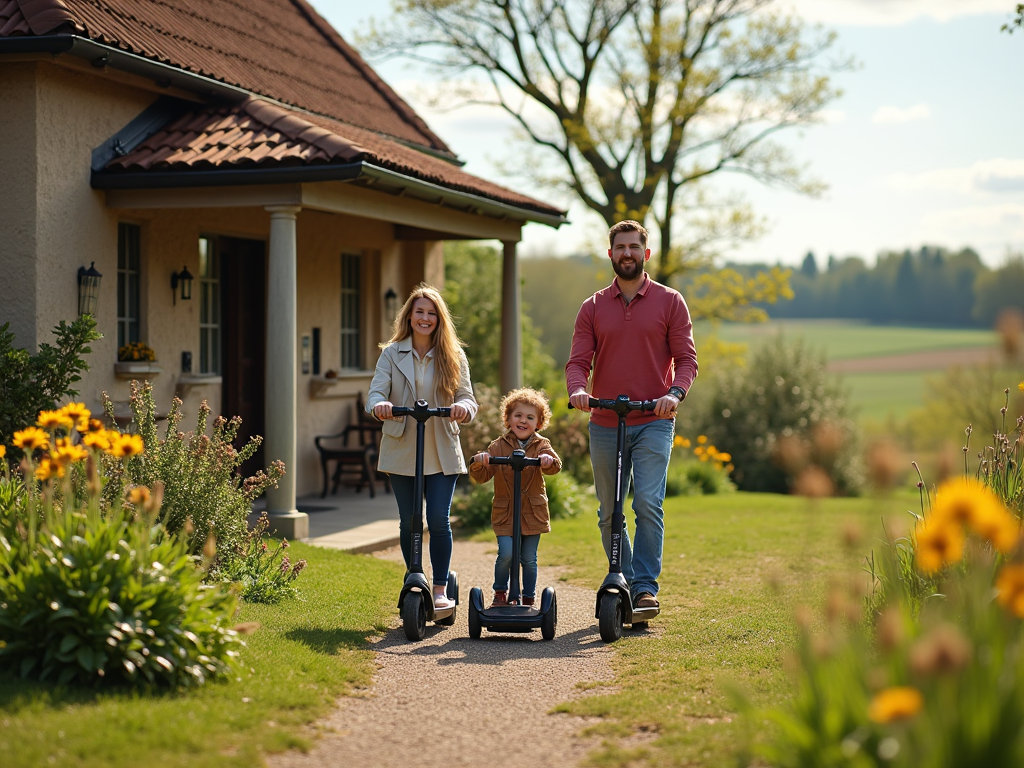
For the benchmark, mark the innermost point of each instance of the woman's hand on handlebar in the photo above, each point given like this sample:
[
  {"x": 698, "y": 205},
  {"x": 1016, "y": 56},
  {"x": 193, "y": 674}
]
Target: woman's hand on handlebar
[
  {"x": 383, "y": 411},
  {"x": 481, "y": 458},
  {"x": 665, "y": 407},
  {"x": 459, "y": 413},
  {"x": 580, "y": 400}
]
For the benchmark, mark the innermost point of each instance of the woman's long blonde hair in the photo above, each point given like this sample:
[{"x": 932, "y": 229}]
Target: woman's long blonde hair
[{"x": 447, "y": 345}]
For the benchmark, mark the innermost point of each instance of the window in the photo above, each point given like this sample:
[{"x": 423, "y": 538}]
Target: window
[
  {"x": 209, "y": 307},
  {"x": 128, "y": 249},
  {"x": 351, "y": 338}
]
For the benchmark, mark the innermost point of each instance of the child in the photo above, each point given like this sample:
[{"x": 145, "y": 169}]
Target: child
[{"x": 525, "y": 411}]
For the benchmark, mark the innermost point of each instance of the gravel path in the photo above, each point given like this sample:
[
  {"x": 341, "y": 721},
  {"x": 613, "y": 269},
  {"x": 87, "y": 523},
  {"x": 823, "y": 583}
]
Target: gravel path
[{"x": 450, "y": 701}]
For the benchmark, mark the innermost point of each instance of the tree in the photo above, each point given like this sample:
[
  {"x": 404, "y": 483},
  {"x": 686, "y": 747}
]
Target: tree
[
  {"x": 809, "y": 268},
  {"x": 637, "y": 101}
]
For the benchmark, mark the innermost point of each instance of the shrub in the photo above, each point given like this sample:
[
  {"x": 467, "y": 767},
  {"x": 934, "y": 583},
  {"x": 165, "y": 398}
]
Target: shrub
[
  {"x": 472, "y": 506},
  {"x": 697, "y": 478},
  {"x": 255, "y": 568},
  {"x": 570, "y": 437},
  {"x": 784, "y": 395},
  {"x": 198, "y": 472},
  {"x": 33, "y": 383}
]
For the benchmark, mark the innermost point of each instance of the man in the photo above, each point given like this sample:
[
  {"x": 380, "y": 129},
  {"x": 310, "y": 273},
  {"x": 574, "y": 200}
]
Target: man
[{"x": 637, "y": 338}]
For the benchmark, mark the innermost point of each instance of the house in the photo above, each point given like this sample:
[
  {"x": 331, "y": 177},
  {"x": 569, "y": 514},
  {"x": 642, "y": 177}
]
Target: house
[{"x": 256, "y": 199}]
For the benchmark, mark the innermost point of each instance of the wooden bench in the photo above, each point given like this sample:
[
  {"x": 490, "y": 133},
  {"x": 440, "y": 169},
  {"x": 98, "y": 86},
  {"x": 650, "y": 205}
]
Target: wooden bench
[{"x": 359, "y": 461}]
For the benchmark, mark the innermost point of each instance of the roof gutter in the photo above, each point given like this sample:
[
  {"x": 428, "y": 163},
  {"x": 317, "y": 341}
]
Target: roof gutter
[{"x": 411, "y": 187}]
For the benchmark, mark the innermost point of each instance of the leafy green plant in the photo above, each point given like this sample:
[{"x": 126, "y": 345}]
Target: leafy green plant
[
  {"x": 261, "y": 577},
  {"x": 33, "y": 383},
  {"x": 199, "y": 473},
  {"x": 697, "y": 478}
]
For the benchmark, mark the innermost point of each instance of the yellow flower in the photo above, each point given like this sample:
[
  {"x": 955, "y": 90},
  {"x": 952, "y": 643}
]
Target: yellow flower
[
  {"x": 94, "y": 425},
  {"x": 686, "y": 443},
  {"x": 49, "y": 468},
  {"x": 701, "y": 439},
  {"x": 1021, "y": 386},
  {"x": 677, "y": 441},
  {"x": 897, "y": 703},
  {"x": 96, "y": 440},
  {"x": 1000, "y": 528},
  {"x": 1010, "y": 589},
  {"x": 725, "y": 457},
  {"x": 77, "y": 412},
  {"x": 125, "y": 445},
  {"x": 31, "y": 438},
  {"x": 66, "y": 451},
  {"x": 939, "y": 542},
  {"x": 138, "y": 495},
  {"x": 54, "y": 420},
  {"x": 3, "y": 451},
  {"x": 699, "y": 450},
  {"x": 964, "y": 499}
]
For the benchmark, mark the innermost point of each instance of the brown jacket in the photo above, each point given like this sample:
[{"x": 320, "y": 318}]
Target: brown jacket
[{"x": 535, "y": 515}]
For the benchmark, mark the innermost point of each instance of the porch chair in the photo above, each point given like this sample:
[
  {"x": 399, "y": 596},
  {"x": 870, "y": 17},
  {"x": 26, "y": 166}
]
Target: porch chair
[{"x": 358, "y": 461}]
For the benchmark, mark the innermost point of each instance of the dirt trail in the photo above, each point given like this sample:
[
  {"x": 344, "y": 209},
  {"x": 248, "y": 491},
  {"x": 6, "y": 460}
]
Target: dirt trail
[
  {"x": 930, "y": 360},
  {"x": 450, "y": 701}
]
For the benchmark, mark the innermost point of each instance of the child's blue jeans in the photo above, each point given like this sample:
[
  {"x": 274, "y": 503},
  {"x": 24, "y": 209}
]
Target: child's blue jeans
[{"x": 527, "y": 556}]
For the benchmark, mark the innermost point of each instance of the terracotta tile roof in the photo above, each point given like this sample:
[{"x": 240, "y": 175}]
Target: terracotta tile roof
[
  {"x": 281, "y": 49},
  {"x": 258, "y": 134}
]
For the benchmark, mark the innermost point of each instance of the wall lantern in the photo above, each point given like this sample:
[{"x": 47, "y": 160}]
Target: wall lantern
[
  {"x": 185, "y": 278},
  {"x": 390, "y": 305},
  {"x": 88, "y": 289}
]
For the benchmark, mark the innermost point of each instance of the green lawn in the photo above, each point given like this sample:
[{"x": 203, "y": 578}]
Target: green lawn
[
  {"x": 879, "y": 396},
  {"x": 304, "y": 655},
  {"x": 846, "y": 340},
  {"x": 721, "y": 622}
]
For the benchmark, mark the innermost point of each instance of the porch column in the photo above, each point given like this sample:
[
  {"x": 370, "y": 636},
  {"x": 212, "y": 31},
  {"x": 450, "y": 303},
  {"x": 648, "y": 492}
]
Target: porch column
[
  {"x": 510, "y": 371},
  {"x": 282, "y": 371}
]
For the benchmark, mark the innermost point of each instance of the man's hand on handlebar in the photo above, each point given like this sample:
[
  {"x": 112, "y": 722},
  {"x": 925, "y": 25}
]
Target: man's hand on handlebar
[
  {"x": 383, "y": 412},
  {"x": 580, "y": 400},
  {"x": 665, "y": 407},
  {"x": 459, "y": 413}
]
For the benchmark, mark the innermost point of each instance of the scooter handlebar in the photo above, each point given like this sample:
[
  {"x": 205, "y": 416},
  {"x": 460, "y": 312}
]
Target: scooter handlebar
[
  {"x": 420, "y": 410},
  {"x": 517, "y": 457},
  {"x": 622, "y": 404}
]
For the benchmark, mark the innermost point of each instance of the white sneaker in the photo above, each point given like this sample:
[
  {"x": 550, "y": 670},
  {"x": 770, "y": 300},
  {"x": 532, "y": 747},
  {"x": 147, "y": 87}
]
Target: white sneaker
[{"x": 442, "y": 602}]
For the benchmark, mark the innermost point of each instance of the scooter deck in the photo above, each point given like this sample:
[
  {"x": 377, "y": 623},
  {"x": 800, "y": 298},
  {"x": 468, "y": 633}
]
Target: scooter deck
[
  {"x": 642, "y": 615},
  {"x": 511, "y": 618}
]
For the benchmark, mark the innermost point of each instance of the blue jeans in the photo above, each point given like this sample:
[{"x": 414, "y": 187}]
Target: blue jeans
[
  {"x": 527, "y": 556},
  {"x": 647, "y": 451},
  {"x": 437, "y": 493}
]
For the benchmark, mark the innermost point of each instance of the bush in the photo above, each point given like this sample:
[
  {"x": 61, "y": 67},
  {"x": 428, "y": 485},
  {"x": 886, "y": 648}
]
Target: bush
[
  {"x": 697, "y": 478},
  {"x": 92, "y": 593},
  {"x": 33, "y": 383},
  {"x": 784, "y": 396},
  {"x": 199, "y": 473},
  {"x": 472, "y": 506},
  {"x": 256, "y": 570},
  {"x": 570, "y": 438}
]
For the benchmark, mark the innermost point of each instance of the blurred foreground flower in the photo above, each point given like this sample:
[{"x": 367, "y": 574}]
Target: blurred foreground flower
[{"x": 899, "y": 703}]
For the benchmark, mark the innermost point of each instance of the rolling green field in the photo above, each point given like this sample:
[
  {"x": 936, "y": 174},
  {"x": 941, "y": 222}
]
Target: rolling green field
[{"x": 876, "y": 395}]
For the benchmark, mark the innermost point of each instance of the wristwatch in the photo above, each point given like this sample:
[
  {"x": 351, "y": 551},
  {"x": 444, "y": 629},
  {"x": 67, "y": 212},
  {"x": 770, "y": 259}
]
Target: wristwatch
[{"x": 678, "y": 393}]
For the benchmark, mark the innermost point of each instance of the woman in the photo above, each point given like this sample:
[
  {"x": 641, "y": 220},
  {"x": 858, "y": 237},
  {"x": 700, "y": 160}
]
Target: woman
[{"x": 424, "y": 361}]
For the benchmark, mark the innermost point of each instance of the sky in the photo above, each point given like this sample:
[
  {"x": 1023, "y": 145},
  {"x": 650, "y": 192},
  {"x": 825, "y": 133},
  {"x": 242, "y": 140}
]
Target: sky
[{"x": 924, "y": 147}]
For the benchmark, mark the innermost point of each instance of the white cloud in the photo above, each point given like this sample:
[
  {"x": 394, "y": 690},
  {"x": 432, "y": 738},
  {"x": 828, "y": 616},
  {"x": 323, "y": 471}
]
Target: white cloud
[
  {"x": 901, "y": 115},
  {"x": 985, "y": 177},
  {"x": 894, "y": 12}
]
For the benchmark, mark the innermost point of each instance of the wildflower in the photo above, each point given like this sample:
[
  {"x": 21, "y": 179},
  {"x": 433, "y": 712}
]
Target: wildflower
[
  {"x": 54, "y": 420},
  {"x": 939, "y": 543},
  {"x": 125, "y": 445},
  {"x": 31, "y": 438},
  {"x": 97, "y": 440},
  {"x": 814, "y": 483},
  {"x": 78, "y": 413},
  {"x": 285, "y": 544},
  {"x": 897, "y": 703},
  {"x": 701, "y": 439},
  {"x": 3, "y": 451},
  {"x": 93, "y": 425},
  {"x": 725, "y": 458},
  {"x": 963, "y": 499},
  {"x": 286, "y": 564},
  {"x": 1000, "y": 528},
  {"x": 299, "y": 568},
  {"x": 138, "y": 495},
  {"x": 67, "y": 452},
  {"x": 677, "y": 441},
  {"x": 1010, "y": 589},
  {"x": 943, "y": 651},
  {"x": 49, "y": 468},
  {"x": 1021, "y": 386}
]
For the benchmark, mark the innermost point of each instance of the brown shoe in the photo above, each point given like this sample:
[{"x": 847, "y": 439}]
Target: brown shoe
[
  {"x": 529, "y": 600},
  {"x": 646, "y": 600},
  {"x": 500, "y": 598}
]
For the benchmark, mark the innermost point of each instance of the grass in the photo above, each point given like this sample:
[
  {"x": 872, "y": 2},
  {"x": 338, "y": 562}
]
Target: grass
[
  {"x": 849, "y": 340},
  {"x": 881, "y": 395},
  {"x": 305, "y": 654},
  {"x": 720, "y": 625}
]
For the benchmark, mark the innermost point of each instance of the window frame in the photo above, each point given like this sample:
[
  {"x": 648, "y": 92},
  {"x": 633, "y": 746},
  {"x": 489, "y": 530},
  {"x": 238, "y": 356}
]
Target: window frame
[
  {"x": 129, "y": 283},
  {"x": 351, "y": 326}
]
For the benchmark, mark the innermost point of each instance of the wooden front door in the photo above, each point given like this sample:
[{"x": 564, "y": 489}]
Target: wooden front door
[{"x": 244, "y": 300}]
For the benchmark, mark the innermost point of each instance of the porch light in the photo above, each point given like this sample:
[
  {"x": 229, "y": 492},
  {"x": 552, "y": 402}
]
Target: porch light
[
  {"x": 88, "y": 289},
  {"x": 185, "y": 279},
  {"x": 390, "y": 305}
]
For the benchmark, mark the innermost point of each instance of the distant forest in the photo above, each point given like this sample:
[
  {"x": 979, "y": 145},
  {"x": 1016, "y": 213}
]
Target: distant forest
[{"x": 932, "y": 286}]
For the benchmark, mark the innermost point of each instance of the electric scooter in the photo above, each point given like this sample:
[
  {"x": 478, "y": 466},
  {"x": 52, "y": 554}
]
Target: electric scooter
[
  {"x": 416, "y": 601},
  {"x": 614, "y": 603},
  {"x": 514, "y": 617}
]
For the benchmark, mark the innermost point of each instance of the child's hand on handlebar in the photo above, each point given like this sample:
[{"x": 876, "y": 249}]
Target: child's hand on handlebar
[
  {"x": 580, "y": 400},
  {"x": 459, "y": 413},
  {"x": 383, "y": 412},
  {"x": 481, "y": 458},
  {"x": 546, "y": 461}
]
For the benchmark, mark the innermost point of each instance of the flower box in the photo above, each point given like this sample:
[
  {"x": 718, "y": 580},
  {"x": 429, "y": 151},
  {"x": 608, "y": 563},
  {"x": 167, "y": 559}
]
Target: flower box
[{"x": 136, "y": 370}]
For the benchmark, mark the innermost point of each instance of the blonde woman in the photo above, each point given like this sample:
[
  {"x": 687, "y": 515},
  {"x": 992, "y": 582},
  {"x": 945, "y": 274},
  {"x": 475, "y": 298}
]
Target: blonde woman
[{"x": 424, "y": 361}]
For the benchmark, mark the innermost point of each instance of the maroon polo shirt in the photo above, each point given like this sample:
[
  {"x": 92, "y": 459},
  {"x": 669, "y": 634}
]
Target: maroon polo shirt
[{"x": 638, "y": 349}]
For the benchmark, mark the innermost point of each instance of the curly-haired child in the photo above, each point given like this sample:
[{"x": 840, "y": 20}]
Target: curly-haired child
[{"x": 525, "y": 411}]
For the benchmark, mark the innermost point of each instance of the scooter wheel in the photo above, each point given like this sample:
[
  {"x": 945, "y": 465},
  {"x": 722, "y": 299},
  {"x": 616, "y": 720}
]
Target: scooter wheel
[
  {"x": 610, "y": 617},
  {"x": 414, "y": 616},
  {"x": 474, "y": 620},
  {"x": 547, "y": 628},
  {"x": 452, "y": 591}
]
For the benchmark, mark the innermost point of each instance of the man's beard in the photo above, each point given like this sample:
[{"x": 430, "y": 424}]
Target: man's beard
[{"x": 626, "y": 273}]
